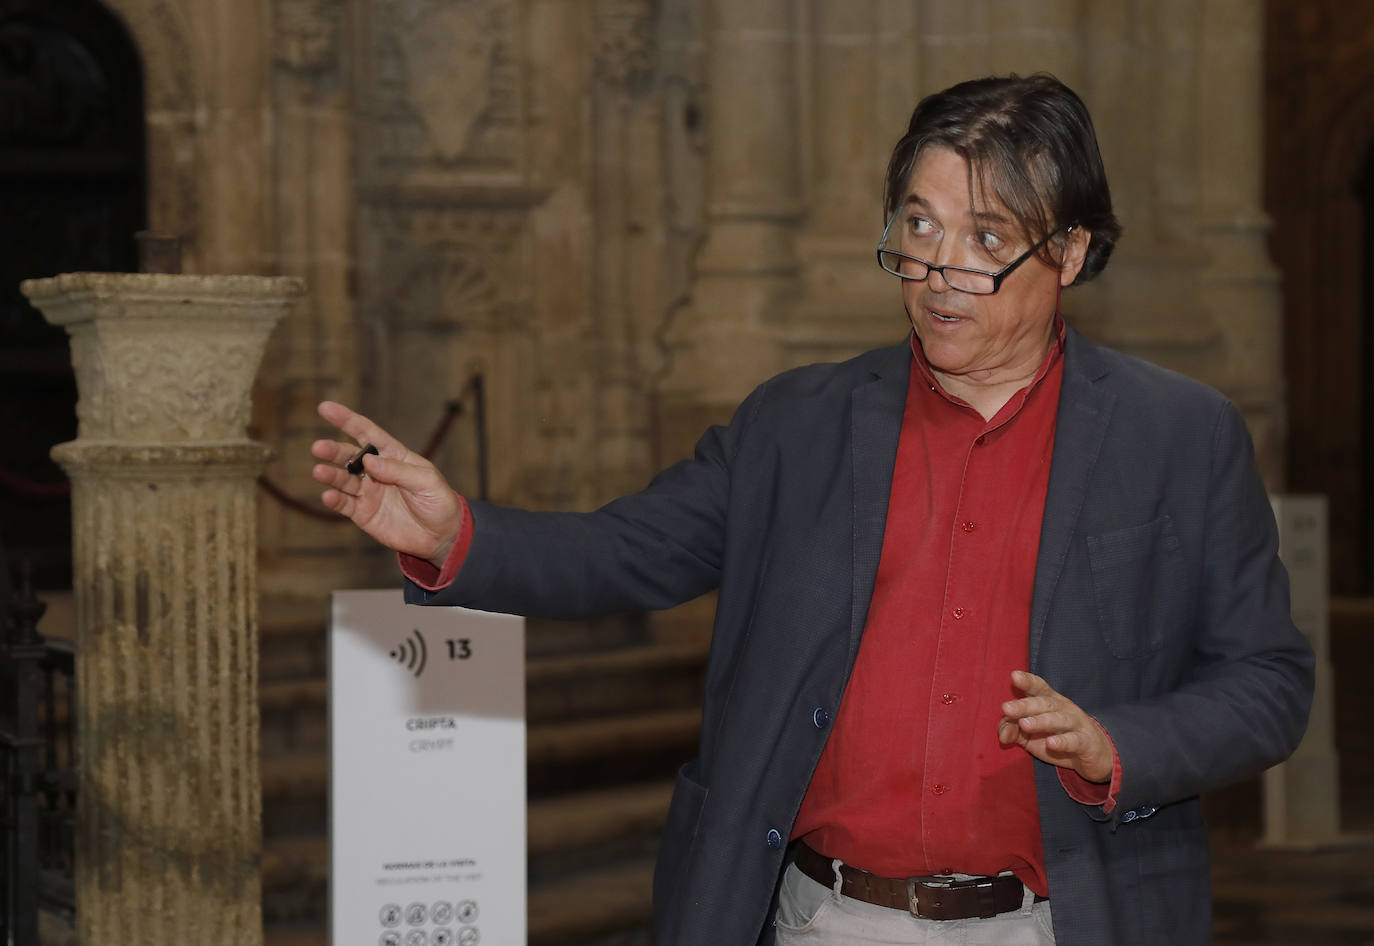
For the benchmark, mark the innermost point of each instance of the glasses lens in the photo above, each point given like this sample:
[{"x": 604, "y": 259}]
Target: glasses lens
[
  {"x": 905, "y": 247},
  {"x": 904, "y": 266},
  {"x": 967, "y": 281}
]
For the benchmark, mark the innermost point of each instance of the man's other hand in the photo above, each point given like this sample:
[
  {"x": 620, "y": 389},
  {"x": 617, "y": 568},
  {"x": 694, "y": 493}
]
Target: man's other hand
[
  {"x": 1052, "y": 728},
  {"x": 399, "y": 499}
]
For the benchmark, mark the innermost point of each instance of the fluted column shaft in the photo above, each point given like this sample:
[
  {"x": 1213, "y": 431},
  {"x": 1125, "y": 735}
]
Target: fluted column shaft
[
  {"x": 169, "y": 827},
  {"x": 1240, "y": 286},
  {"x": 164, "y": 580}
]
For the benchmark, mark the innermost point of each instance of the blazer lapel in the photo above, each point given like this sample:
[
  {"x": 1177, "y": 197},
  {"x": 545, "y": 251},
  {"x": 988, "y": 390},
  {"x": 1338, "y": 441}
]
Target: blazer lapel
[
  {"x": 1084, "y": 412},
  {"x": 876, "y": 425}
]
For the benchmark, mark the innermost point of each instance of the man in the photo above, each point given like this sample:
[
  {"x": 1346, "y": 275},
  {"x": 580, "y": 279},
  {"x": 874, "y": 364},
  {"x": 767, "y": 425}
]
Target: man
[{"x": 996, "y": 604}]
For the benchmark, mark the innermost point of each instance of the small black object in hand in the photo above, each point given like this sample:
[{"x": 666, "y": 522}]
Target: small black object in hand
[{"x": 355, "y": 466}]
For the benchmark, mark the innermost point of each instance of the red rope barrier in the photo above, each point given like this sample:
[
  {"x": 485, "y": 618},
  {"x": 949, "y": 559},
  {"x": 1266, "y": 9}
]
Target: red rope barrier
[
  {"x": 452, "y": 409},
  {"x": 32, "y": 488}
]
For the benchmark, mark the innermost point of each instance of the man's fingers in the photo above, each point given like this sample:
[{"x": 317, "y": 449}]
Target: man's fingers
[
  {"x": 1008, "y": 733},
  {"x": 1067, "y": 743},
  {"x": 340, "y": 502},
  {"x": 1014, "y": 709},
  {"x": 1029, "y": 684},
  {"x": 333, "y": 451},
  {"x": 359, "y": 428},
  {"x": 1047, "y": 724},
  {"x": 327, "y": 474}
]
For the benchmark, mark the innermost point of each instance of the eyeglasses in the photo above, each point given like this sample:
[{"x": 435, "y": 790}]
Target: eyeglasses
[{"x": 975, "y": 281}]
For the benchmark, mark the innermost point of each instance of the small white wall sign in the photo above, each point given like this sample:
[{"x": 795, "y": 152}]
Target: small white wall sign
[{"x": 427, "y": 774}]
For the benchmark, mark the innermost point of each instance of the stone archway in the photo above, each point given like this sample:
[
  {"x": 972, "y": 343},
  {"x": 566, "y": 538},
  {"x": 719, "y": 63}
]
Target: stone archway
[{"x": 208, "y": 117}]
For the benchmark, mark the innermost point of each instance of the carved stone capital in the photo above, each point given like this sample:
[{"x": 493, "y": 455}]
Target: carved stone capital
[{"x": 163, "y": 358}]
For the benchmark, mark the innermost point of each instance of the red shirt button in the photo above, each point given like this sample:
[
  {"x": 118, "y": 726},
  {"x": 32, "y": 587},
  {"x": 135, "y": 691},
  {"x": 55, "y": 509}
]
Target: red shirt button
[
  {"x": 948, "y": 698},
  {"x": 968, "y": 526},
  {"x": 939, "y": 788},
  {"x": 958, "y": 613}
]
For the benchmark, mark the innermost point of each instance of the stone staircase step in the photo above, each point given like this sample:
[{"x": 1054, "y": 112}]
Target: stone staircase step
[
  {"x": 645, "y": 677},
  {"x": 547, "y": 637},
  {"x": 285, "y": 858},
  {"x": 295, "y": 776},
  {"x": 583, "y": 738},
  {"x": 594, "y": 904},
  {"x": 601, "y": 752},
  {"x": 568, "y": 822},
  {"x": 292, "y": 639},
  {"x": 295, "y": 792},
  {"x": 294, "y": 716},
  {"x": 312, "y": 935}
]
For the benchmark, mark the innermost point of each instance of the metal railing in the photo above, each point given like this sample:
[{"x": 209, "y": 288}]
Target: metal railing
[{"x": 37, "y": 760}]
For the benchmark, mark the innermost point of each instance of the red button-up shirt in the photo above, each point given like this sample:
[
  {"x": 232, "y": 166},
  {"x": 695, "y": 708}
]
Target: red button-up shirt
[{"x": 913, "y": 779}]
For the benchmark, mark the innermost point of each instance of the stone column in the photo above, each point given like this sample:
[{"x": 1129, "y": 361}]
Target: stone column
[
  {"x": 1239, "y": 287},
  {"x": 725, "y": 340},
  {"x": 1302, "y": 796},
  {"x": 169, "y": 814},
  {"x": 860, "y": 85}
]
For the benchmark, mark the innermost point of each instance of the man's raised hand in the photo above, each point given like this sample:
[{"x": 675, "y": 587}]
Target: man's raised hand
[
  {"x": 1053, "y": 728},
  {"x": 399, "y": 499}
]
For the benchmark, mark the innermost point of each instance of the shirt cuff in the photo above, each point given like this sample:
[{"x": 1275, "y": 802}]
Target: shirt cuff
[
  {"x": 1084, "y": 792},
  {"x": 424, "y": 574}
]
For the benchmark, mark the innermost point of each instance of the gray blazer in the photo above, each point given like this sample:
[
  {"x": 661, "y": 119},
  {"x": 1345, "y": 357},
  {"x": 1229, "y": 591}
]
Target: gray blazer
[{"x": 1160, "y": 607}]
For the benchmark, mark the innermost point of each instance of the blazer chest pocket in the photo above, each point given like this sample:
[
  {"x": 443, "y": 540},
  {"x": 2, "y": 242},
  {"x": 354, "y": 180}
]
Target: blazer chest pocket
[{"x": 1137, "y": 574}]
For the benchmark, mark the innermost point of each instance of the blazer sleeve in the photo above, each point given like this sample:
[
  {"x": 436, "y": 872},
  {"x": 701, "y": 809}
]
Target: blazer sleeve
[
  {"x": 1244, "y": 705},
  {"x": 653, "y": 549}
]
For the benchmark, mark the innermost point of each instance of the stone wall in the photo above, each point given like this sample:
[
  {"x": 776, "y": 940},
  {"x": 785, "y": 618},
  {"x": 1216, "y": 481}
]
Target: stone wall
[{"x": 626, "y": 213}]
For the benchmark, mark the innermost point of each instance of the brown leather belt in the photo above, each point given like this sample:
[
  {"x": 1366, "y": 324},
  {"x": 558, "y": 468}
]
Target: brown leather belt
[{"x": 929, "y": 898}]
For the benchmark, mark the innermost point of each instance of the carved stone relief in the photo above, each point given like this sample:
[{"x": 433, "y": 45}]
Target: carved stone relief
[
  {"x": 625, "y": 49},
  {"x": 445, "y": 89},
  {"x": 448, "y": 266},
  {"x": 306, "y": 34}
]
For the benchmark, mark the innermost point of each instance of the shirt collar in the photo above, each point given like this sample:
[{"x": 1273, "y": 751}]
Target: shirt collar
[{"x": 918, "y": 357}]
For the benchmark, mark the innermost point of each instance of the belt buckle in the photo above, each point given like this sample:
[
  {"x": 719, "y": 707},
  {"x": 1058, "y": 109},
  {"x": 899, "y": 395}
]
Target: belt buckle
[
  {"x": 987, "y": 900},
  {"x": 913, "y": 905},
  {"x": 984, "y": 886},
  {"x": 971, "y": 882}
]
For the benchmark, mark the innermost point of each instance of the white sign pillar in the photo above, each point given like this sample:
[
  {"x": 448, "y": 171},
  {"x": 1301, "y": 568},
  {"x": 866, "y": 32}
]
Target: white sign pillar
[
  {"x": 427, "y": 774},
  {"x": 1302, "y": 795}
]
